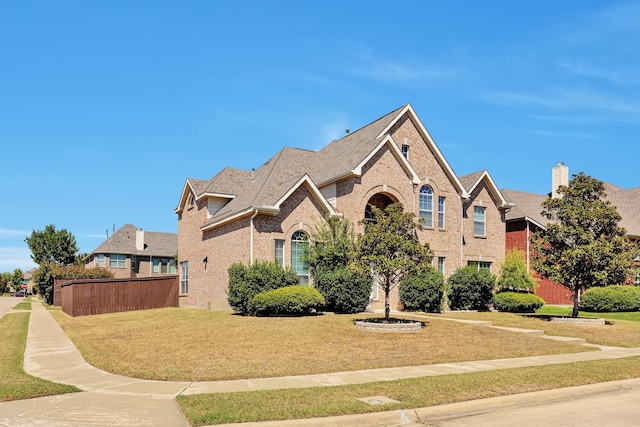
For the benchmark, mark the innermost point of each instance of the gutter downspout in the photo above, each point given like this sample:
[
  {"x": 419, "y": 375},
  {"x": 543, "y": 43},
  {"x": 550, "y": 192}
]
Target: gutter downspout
[
  {"x": 255, "y": 213},
  {"x": 528, "y": 236}
]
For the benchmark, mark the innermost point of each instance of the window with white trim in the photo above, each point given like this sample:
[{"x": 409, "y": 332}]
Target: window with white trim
[
  {"x": 441, "y": 264},
  {"x": 279, "y": 252},
  {"x": 100, "y": 261},
  {"x": 479, "y": 221},
  {"x": 184, "y": 277},
  {"x": 117, "y": 260},
  {"x": 426, "y": 206},
  {"x": 299, "y": 244},
  {"x": 164, "y": 265},
  {"x": 636, "y": 276},
  {"x": 405, "y": 151},
  {"x": 479, "y": 265},
  {"x": 441, "y": 212}
]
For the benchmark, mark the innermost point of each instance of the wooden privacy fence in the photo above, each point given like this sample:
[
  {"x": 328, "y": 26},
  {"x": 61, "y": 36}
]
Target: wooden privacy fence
[{"x": 82, "y": 297}]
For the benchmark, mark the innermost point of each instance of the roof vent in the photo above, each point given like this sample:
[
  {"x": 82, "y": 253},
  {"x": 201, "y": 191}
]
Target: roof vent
[{"x": 347, "y": 131}]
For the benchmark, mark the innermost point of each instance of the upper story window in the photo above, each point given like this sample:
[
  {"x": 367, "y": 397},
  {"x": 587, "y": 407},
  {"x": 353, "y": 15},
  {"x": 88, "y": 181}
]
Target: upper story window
[
  {"x": 164, "y": 265},
  {"x": 405, "y": 151},
  {"x": 117, "y": 260},
  {"x": 441, "y": 213},
  {"x": 426, "y": 206},
  {"x": 479, "y": 221},
  {"x": 299, "y": 244}
]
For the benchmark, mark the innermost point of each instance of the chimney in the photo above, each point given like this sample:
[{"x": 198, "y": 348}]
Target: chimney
[
  {"x": 559, "y": 177},
  {"x": 140, "y": 240}
]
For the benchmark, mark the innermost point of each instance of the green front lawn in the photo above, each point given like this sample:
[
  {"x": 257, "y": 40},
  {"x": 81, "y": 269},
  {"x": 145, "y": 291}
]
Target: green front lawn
[{"x": 15, "y": 383}]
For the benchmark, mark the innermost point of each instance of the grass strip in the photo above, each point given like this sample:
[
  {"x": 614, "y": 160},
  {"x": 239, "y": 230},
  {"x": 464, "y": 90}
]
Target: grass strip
[
  {"x": 16, "y": 384},
  {"x": 23, "y": 305},
  {"x": 287, "y": 404}
]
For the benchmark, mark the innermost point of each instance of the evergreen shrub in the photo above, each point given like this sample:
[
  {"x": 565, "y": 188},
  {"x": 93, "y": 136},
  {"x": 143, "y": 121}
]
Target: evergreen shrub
[
  {"x": 517, "y": 302},
  {"x": 423, "y": 292},
  {"x": 245, "y": 282},
  {"x": 611, "y": 299},
  {"x": 296, "y": 299},
  {"x": 345, "y": 290},
  {"x": 470, "y": 289}
]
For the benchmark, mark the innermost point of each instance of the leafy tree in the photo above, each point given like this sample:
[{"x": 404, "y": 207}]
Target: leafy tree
[
  {"x": 53, "y": 246},
  {"x": 330, "y": 254},
  {"x": 582, "y": 246},
  {"x": 43, "y": 281},
  {"x": 390, "y": 247},
  {"x": 5, "y": 280},
  {"x": 514, "y": 275},
  {"x": 16, "y": 279}
]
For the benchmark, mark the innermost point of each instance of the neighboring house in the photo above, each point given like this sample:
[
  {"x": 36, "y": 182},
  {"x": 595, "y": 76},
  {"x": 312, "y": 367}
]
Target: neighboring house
[
  {"x": 268, "y": 213},
  {"x": 131, "y": 252},
  {"x": 526, "y": 218}
]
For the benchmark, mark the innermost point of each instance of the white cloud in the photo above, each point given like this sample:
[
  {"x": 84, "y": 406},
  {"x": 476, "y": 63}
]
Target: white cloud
[
  {"x": 6, "y": 233},
  {"x": 15, "y": 257}
]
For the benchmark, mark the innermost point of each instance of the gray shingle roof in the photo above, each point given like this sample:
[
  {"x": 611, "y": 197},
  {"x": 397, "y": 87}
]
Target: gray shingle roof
[
  {"x": 123, "y": 241},
  {"x": 270, "y": 182},
  {"x": 627, "y": 203}
]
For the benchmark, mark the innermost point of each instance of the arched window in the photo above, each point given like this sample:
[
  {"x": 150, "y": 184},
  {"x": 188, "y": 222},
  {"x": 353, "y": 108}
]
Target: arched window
[
  {"x": 426, "y": 206},
  {"x": 299, "y": 244}
]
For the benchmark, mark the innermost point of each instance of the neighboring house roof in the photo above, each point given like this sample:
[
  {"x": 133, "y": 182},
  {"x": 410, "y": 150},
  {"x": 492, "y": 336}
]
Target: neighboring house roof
[
  {"x": 529, "y": 206},
  {"x": 123, "y": 241},
  {"x": 471, "y": 181},
  {"x": 265, "y": 188}
]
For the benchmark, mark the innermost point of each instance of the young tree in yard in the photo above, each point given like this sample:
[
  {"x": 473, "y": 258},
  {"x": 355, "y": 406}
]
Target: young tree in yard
[
  {"x": 513, "y": 274},
  {"x": 51, "y": 245},
  {"x": 390, "y": 248},
  {"x": 582, "y": 246},
  {"x": 5, "y": 280},
  {"x": 16, "y": 279}
]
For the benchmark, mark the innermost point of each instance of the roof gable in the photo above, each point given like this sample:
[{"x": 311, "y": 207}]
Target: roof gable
[
  {"x": 472, "y": 181},
  {"x": 123, "y": 241}
]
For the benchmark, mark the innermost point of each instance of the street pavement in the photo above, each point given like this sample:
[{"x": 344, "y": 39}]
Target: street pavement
[{"x": 113, "y": 400}]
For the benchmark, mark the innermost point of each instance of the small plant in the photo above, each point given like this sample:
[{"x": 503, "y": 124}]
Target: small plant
[
  {"x": 611, "y": 299},
  {"x": 296, "y": 299},
  {"x": 470, "y": 289},
  {"x": 423, "y": 292},
  {"x": 517, "y": 302}
]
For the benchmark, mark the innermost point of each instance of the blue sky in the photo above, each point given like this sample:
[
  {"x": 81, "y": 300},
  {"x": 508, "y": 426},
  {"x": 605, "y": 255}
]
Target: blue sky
[{"x": 107, "y": 107}]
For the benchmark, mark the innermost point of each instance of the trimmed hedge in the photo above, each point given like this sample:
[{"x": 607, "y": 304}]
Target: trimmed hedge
[
  {"x": 423, "y": 292},
  {"x": 517, "y": 302},
  {"x": 344, "y": 290},
  {"x": 296, "y": 299},
  {"x": 470, "y": 289},
  {"x": 247, "y": 281},
  {"x": 611, "y": 299}
]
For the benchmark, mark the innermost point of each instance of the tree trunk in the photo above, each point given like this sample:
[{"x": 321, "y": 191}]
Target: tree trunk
[
  {"x": 386, "y": 305},
  {"x": 576, "y": 301}
]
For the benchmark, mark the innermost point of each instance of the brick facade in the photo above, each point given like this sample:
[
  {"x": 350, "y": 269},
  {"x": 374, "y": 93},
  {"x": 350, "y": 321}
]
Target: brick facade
[{"x": 384, "y": 176}]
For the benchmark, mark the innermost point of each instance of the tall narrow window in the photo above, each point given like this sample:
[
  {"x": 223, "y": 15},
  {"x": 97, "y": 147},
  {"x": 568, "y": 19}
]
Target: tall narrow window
[
  {"x": 184, "y": 277},
  {"x": 405, "y": 151},
  {"x": 156, "y": 265},
  {"x": 100, "y": 260},
  {"x": 279, "y": 252},
  {"x": 376, "y": 285},
  {"x": 172, "y": 266},
  {"x": 441, "y": 213},
  {"x": 479, "y": 221},
  {"x": 441, "y": 264},
  {"x": 299, "y": 243},
  {"x": 426, "y": 206}
]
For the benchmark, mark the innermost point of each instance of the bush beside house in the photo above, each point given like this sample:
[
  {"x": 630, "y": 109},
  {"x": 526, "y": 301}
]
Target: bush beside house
[
  {"x": 470, "y": 289},
  {"x": 423, "y": 292},
  {"x": 295, "y": 300},
  {"x": 517, "y": 302},
  {"x": 611, "y": 299}
]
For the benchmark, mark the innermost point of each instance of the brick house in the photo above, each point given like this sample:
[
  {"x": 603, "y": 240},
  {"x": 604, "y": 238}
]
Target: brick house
[
  {"x": 526, "y": 218},
  {"x": 266, "y": 213},
  {"x": 131, "y": 252}
]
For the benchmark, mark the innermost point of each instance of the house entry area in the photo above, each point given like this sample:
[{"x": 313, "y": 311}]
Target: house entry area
[{"x": 380, "y": 201}]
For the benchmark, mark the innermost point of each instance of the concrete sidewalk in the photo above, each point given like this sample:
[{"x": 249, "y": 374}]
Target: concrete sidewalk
[{"x": 114, "y": 400}]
